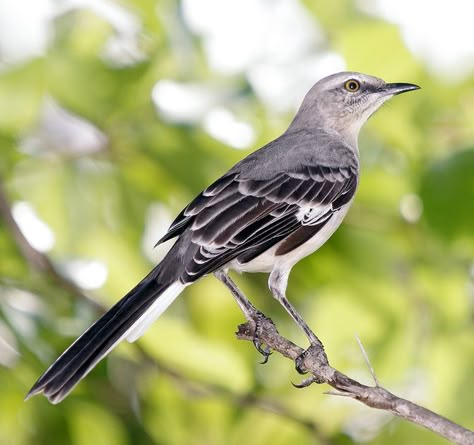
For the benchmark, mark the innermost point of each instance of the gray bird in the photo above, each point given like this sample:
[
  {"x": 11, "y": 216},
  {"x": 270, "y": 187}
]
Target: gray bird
[{"x": 273, "y": 208}]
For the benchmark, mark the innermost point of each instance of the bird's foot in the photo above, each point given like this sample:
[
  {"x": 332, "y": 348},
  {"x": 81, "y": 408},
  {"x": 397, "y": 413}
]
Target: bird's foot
[
  {"x": 257, "y": 324},
  {"x": 313, "y": 358}
]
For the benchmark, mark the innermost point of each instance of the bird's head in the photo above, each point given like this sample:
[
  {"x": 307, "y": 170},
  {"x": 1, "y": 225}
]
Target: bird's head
[{"x": 344, "y": 101}]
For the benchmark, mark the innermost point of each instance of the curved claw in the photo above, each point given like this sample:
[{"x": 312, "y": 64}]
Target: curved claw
[
  {"x": 299, "y": 364},
  {"x": 265, "y": 358},
  {"x": 266, "y": 352},
  {"x": 258, "y": 345},
  {"x": 305, "y": 383},
  {"x": 260, "y": 319}
]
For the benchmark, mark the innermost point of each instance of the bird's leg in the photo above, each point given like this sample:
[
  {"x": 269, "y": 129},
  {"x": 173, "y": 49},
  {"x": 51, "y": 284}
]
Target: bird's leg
[
  {"x": 277, "y": 283},
  {"x": 252, "y": 314}
]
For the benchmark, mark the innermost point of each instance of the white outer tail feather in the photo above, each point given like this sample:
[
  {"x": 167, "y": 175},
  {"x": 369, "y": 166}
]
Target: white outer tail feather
[
  {"x": 135, "y": 331},
  {"x": 154, "y": 311}
]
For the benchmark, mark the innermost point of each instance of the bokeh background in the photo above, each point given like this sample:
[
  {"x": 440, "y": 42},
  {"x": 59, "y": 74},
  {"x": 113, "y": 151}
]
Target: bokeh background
[{"x": 113, "y": 115}]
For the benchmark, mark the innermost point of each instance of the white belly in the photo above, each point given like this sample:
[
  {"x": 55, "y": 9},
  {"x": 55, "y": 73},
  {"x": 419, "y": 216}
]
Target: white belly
[{"x": 267, "y": 261}]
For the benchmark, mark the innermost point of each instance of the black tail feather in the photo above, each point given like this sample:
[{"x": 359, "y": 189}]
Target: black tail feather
[{"x": 61, "y": 377}]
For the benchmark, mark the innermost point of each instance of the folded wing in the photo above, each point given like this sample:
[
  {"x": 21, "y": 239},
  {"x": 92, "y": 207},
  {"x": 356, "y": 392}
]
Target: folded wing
[{"x": 240, "y": 218}]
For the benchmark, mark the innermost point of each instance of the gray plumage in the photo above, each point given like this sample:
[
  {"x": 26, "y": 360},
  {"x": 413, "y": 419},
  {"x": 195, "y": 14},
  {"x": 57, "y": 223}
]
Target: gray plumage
[{"x": 273, "y": 208}]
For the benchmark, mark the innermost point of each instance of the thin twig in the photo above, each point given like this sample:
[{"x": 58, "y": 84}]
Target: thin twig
[{"x": 367, "y": 361}]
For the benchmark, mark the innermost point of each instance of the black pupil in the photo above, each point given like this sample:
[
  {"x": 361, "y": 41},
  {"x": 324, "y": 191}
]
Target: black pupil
[{"x": 352, "y": 85}]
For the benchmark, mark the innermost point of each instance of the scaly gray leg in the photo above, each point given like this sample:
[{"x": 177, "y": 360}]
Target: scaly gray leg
[
  {"x": 277, "y": 282},
  {"x": 252, "y": 314}
]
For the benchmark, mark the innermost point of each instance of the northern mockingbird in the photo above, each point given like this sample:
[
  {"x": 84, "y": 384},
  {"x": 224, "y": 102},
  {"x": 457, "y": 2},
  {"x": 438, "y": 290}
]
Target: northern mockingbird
[{"x": 273, "y": 208}]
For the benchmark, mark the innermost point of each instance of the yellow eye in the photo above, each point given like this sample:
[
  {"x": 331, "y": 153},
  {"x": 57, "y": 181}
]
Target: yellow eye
[{"x": 352, "y": 85}]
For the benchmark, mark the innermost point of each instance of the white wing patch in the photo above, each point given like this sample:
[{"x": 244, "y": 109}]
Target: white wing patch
[{"x": 311, "y": 215}]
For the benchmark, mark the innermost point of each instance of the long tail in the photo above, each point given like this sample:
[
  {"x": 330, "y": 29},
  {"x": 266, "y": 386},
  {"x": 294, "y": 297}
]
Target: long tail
[{"x": 127, "y": 319}]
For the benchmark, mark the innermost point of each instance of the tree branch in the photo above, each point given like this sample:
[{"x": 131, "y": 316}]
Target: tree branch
[{"x": 315, "y": 362}]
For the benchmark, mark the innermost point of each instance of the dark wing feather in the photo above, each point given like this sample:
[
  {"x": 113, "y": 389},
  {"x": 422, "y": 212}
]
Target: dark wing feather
[{"x": 199, "y": 203}]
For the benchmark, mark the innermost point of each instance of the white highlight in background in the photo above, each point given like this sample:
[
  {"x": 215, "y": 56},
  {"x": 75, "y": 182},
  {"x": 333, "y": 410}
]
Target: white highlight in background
[
  {"x": 222, "y": 125},
  {"x": 282, "y": 86},
  {"x": 411, "y": 208},
  {"x": 157, "y": 220},
  {"x": 36, "y": 231},
  {"x": 440, "y": 32},
  {"x": 281, "y": 49},
  {"x": 238, "y": 33},
  {"x": 37, "y": 17},
  {"x": 87, "y": 274},
  {"x": 63, "y": 132},
  {"x": 183, "y": 103},
  {"x": 25, "y": 29}
]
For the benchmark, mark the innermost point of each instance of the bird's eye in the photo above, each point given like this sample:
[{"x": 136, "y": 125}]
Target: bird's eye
[{"x": 352, "y": 85}]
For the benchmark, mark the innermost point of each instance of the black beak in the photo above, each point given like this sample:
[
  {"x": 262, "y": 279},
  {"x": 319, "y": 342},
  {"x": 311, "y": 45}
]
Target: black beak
[{"x": 399, "y": 88}]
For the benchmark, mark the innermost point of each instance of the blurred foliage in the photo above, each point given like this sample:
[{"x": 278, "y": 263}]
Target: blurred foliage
[{"x": 399, "y": 272}]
